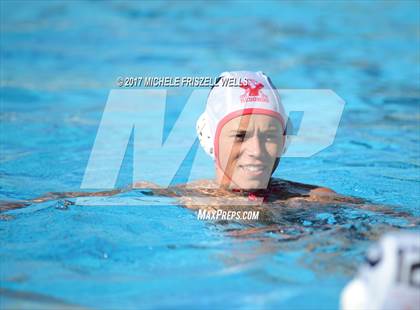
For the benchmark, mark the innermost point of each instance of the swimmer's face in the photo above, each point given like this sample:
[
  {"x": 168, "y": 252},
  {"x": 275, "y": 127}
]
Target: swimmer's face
[{"x": 248, "y": 148}]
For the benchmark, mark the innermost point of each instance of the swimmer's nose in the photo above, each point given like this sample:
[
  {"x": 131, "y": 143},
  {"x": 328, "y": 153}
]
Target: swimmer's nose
[{"x": 253, "y": 146}]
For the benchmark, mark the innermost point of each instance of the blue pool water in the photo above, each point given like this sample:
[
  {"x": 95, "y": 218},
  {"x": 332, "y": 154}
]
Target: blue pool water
[{"x": 59, "y": 61}]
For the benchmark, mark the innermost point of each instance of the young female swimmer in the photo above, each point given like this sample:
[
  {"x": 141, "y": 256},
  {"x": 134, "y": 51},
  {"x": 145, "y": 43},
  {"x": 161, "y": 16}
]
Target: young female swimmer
[{"x": 244, "y": 129}]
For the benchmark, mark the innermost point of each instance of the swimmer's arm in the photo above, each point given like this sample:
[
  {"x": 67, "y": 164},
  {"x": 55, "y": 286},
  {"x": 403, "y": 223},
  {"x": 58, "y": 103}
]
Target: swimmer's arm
[
  {"x": 157, "y": 189},
  {"x": 310, "y": 192},
  {"x": 10, "y": 205},
  {"x": 327, "y": 194},
  {"x": 324, "y": 195},
  {"x": 322, "y": 191},
  {"x": 60, "y": 195}
]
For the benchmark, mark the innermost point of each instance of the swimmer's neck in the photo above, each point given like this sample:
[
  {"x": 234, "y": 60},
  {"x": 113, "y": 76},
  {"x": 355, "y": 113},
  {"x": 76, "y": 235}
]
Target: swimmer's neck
[{"x": 228, "y": 188}]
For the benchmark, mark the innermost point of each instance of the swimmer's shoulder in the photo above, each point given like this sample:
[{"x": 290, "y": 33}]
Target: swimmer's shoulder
[
  {"x": 296, "y": 189},
  {"x": 300, "y": 187},
  {"x": 311, "y": 192}
]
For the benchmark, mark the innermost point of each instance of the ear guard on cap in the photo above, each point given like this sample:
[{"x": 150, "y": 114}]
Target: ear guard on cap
[
  {"x": 204, "y": 135},
  {"x": 203, "y": 130}
]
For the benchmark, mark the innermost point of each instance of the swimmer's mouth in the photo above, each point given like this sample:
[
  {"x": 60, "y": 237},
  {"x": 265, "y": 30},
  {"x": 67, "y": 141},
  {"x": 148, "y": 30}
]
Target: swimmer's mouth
[{"x": 254, "y": 170}]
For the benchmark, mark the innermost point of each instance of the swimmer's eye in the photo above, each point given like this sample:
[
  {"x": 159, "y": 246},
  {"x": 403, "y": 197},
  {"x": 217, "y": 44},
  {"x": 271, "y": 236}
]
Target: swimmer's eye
[
  {"x": 271, "y": 137},
  {"x": 240, "y": 136}
]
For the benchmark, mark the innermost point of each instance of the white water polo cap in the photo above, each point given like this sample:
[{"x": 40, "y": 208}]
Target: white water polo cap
[{"x": 238, "y": 93}]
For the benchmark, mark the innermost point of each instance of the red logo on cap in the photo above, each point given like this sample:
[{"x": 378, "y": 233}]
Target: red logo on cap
[
  {"x": 253, "y": 91},
  {"x": 252, "y": 87}
]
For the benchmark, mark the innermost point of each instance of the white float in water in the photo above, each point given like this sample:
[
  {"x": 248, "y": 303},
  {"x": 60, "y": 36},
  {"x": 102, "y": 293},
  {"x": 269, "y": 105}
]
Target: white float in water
[{"x": 390, "y": 279}]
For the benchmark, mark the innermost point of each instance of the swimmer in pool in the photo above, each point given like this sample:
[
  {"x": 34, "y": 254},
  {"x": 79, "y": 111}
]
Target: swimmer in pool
[{"x": 245, "y": 131}]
